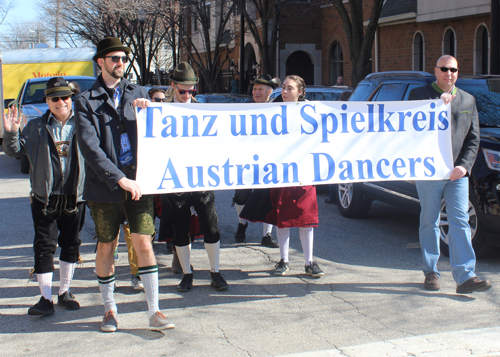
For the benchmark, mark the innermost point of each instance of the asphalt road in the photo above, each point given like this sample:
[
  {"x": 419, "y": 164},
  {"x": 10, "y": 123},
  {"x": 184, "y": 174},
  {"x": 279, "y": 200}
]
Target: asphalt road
[{"x": 371, "y": 292}]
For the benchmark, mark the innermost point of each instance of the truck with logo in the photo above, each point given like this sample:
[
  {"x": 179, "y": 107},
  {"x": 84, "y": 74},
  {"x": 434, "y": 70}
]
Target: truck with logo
[{"x": 19, "y": 66}]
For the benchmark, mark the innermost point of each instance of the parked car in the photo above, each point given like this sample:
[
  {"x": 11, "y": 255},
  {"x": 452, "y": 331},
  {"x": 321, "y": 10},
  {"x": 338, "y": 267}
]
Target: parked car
[
  {"x": 223, "y": 98},
  {"x": 354, "y": 199},
  {"x": 322, "y": 93},
  {"x": 32, "y": 105}
]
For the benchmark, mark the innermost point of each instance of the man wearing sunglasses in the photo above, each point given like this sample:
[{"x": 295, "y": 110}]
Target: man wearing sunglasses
[
  {"x": 56, "y": 176},
  {"x": 454, "y": 191},
  {"x": 183, "y": 82},
  {"x": 107, "y": 133}
]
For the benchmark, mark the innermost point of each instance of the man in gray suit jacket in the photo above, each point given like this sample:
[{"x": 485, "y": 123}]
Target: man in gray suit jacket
[{"x": 455, "y": 190}]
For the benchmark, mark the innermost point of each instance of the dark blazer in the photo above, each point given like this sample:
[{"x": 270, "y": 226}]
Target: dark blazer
[
  {"x": 36, "y": 142},
  {"x": 464, "y": 121},
  {"x": 98, "y": 134}
]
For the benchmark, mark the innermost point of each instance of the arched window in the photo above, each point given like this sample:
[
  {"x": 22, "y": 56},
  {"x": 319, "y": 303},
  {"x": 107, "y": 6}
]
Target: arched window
[
  {"x": 336, "y": 63},
  {"x": 481, "y": 51},
  {"x": 449, "y": 43},
  {"x": 418, "y": 52}
]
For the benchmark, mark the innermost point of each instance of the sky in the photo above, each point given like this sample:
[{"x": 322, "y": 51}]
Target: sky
[{"x": 25, "y": 11}]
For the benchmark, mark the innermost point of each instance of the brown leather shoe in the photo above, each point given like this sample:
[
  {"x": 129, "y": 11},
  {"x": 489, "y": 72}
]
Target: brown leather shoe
[
  {"x": 431, "y": 281},
  {"x": 473, "y": 284}
]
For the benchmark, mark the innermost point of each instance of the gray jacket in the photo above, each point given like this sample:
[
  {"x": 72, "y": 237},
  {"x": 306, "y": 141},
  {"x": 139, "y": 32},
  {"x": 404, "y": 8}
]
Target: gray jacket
[
  {"x": 98, "y": 132},
  {"x": 35, "y": 142},
  {"x": 465, "y": 136}
]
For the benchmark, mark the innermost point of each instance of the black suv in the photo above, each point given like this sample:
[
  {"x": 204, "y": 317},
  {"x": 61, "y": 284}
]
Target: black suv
[{"x": 354, "y": 199}]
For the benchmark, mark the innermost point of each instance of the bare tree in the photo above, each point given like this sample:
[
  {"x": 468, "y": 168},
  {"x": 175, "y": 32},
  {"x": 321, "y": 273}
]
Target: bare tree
[
  {"x": 359, "y": 37},
  {"x": 264, "y": 19},
  {"x": 5, "y": 7},
  {"x": 208, "y": 45},
  {"x": 21, "y": 35},
  {"x": 51, "y": 13},
  {"x": 138, "y": 24}
]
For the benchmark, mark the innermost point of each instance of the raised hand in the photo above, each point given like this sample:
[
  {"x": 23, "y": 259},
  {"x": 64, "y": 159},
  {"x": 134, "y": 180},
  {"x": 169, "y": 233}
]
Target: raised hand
[{"x": 11, "y": 121}]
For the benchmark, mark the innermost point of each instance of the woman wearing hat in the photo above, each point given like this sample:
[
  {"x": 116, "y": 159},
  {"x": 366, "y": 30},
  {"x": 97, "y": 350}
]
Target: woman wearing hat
[{"x": 56, "y": 176}]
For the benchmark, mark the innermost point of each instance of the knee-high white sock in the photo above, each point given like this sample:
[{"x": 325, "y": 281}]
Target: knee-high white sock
[
  {"x": 45, "y": 285},
  {"x": 239, "y": 208},
  {"x": 284, "y": 242},
  {"x": 184, "y": 255},
  {"x": 149, "y": 278},
  {"x": 213, "y": 252},
  {"x": 266, "y": 228},
  {"x": 107, "y": 288},
  {"x": 307, "y": 239},
  {"x": 66, "y": 271}
]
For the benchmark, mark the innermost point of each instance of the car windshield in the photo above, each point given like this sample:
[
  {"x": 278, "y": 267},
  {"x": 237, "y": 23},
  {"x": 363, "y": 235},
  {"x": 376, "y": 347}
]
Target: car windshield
[
  {"x": 220, "y": 98},
  {"x": 488, "y": 103},
  {"x": 35, "y": 91}
]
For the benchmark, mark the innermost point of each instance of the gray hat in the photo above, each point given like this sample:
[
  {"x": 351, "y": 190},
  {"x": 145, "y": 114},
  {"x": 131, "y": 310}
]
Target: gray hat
[
  {"x": 184, "y": 74},
  {"x": 267, "y": 80}
]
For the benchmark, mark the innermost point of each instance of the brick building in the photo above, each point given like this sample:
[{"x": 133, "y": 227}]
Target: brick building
[{"x": 411, "y": 35}]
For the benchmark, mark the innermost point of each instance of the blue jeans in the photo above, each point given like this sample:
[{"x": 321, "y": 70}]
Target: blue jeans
[{"x": 456, "y": 198}]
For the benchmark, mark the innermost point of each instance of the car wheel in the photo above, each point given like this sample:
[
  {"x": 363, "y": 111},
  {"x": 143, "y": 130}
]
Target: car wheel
[
  {"x": 478, "y": 240},
  {"x": 351, "y": 201},
  {"x": 25, "y": 164}
]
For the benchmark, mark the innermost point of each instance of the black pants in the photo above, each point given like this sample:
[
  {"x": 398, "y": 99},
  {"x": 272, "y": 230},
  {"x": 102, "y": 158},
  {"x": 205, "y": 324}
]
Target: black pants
[
  {"x": 166, "y": 232},
  {"x": 204, "y": 204},
  {"x": 241, "y": 196},
  {"x": 58, "y": 223}
]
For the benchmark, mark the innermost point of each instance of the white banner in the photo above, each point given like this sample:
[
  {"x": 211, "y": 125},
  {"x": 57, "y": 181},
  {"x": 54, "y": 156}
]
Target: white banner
[{"x": 198, "y": 147}]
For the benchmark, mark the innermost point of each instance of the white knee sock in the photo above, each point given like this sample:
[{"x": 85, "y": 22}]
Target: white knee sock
[
  {"x": 66, "y": 271},
  {"x": 213, "y": 252},
  {"x": 149, "y": 278},
  {"x": 107, "y": 287},
  {"x": 266, "y": 228},
  {"x": 239, "y": 208},
  {"x": 184, "y": 255},
  {"x": 307, "y": 239},
  {"x": 284, "y": 242},
  {"x": 45, "y": 285}
]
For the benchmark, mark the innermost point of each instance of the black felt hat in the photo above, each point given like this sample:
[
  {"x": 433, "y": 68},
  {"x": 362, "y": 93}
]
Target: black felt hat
[
  {"x": 267, "y": 80},
  {"x": 110, "y": 44},
  {"x": 57, "y": 87},
  {"x": 184, "y": 74}
]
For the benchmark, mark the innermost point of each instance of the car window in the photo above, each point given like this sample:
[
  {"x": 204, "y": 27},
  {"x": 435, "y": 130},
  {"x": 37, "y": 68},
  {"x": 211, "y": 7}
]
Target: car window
[
  {"x": 409, "y": 88},
  {"x": 36, "y": 91},
  {"x": 362, "y": 92},
  {"x": 488, "y": 104},
  {"x": 323, "y": 96},
  {"x": 389, "y": 92}
]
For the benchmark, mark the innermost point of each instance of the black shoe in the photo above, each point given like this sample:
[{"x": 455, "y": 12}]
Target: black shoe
[
  {"x": 218, "y": 281},
  {"x": 240, "y": 233},
  {"x": 186, "y": 283},
  {"x": 473, "y": 284},
  {"x": 43, "y": 307},
  {"x": 269, "y": 241},
  {"x": 68, "y": 301}
]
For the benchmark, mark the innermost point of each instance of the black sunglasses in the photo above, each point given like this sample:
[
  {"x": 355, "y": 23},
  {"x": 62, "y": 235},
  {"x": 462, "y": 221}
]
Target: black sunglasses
[
  {"x": 56, "y": 99},
  {"x": 117, "y": 59},
  {"x": 182, "y": 92},
  {"x": 446, "y": 69},
  {"x": 159, "y": 100}
]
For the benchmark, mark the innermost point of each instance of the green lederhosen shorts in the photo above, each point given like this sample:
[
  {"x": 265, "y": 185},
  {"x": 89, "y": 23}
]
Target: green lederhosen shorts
[{"x": 108, "y": 216}]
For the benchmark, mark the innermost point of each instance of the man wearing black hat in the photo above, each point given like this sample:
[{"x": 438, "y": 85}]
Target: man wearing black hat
[
  {"x": 56, "y": 176},
  {"x": 183, "y": 84},
  {"x": 107, "y": 133},
  {"x": 262, "y": 89}
]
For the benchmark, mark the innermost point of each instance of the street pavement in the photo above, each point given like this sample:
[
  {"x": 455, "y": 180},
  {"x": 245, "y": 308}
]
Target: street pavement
[{"x": 369, "y": 303}]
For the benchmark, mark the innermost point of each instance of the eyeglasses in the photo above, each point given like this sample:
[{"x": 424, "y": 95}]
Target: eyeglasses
[
  {"x": 182, "y": 92},
  {"x": 159, "y": 100},
  {"x": 56, "y": 99},
  {"x": 446, "y": 69},
  {"x": 117, "y": 59}
]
